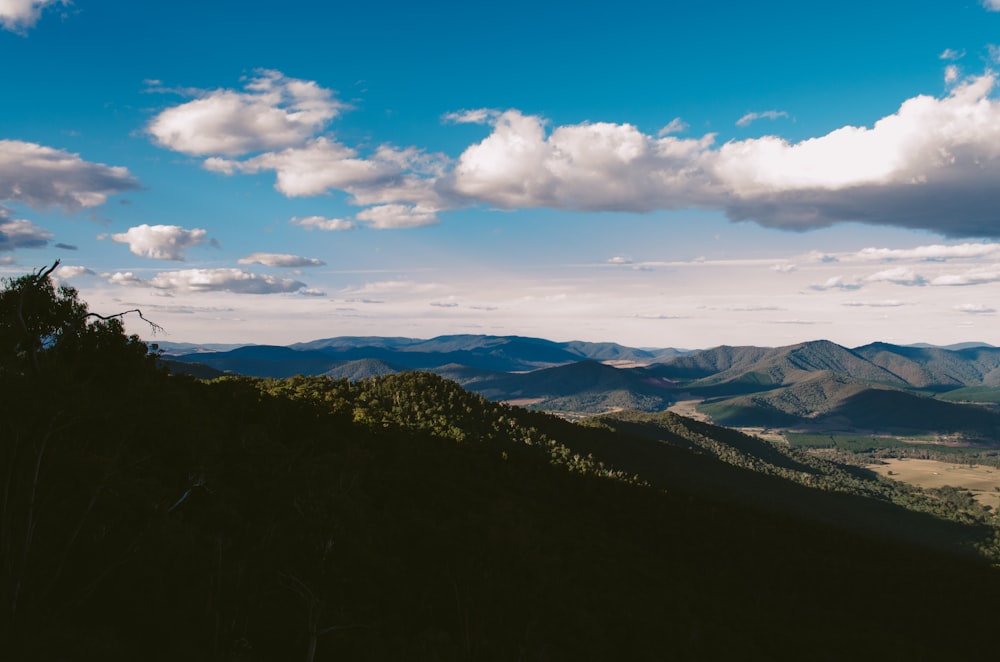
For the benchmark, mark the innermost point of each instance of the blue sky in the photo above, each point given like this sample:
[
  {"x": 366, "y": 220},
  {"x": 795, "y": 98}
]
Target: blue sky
[{"x": 655, "y": 174}]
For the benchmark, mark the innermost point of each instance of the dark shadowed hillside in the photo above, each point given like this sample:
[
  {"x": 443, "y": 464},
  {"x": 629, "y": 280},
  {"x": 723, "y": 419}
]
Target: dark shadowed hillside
[{"x": 150, "y": 516}]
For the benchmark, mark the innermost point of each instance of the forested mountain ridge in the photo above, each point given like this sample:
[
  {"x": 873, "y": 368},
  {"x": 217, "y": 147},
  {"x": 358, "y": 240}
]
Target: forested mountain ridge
[
  {"x": 150, "y": 516},
  {"x": 813, "y": 386}
]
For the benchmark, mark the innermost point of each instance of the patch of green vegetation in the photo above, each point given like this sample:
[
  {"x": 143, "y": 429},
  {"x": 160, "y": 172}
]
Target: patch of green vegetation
[{"x": 844, "y": 442}]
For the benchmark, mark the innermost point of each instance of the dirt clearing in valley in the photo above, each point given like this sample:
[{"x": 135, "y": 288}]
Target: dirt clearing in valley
[{"x": 981, "y": 480}]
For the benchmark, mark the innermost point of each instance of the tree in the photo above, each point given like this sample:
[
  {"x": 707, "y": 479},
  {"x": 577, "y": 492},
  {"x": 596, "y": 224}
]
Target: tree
[
  {"x": 41, "y": 324},
  {"x": 64, "y": 372}
]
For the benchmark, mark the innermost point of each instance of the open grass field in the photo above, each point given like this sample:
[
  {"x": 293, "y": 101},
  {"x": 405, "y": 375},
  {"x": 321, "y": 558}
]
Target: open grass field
[{"x": 981, "y": 480}]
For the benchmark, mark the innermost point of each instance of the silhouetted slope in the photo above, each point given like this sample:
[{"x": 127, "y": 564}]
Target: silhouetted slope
[{"x": 404, "y": 518}]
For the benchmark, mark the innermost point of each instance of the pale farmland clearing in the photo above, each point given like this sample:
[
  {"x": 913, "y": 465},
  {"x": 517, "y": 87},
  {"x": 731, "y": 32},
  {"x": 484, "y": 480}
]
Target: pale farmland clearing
[{"x": 981, "y": 480}]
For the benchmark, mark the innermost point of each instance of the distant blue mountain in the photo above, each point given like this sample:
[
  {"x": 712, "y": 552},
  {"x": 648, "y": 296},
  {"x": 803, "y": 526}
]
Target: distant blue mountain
[{"x": 493, "y": 353}]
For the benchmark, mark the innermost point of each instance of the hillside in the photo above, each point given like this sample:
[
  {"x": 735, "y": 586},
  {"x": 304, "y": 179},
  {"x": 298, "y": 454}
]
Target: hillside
[
  {"x": 814, "y": 385},
  {"x": 787, "y": 365},
  {"x": 403, "y": 517}
]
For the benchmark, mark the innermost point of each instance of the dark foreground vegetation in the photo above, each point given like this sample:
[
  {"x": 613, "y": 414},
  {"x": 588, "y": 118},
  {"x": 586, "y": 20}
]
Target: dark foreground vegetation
[{"x": 145, "y": 516}]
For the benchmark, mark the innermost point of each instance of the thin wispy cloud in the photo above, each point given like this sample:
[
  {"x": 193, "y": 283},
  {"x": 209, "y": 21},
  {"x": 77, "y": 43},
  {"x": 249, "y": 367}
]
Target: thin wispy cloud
[
  {"x": 750, "y": 118},
  {"x": 281, "y": 260}
]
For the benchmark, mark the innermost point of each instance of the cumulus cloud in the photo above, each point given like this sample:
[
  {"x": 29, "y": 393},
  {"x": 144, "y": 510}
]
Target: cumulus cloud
[
  {"x": 750, "y": 118},
  {"x": 20, "y": 233},
  {"x": 398, "y": 216},
  {"x": 321, "y": 223},
  {"x": 237, "y": 281},
  {"x": 591, "y": 166},
  {"x": 41, "y": 176},
  {"x": 387, "y": 176},
  {"x": 67, "y": 271},
  {"x": 18, "y": 15},
  {"x": 125, "y": 278},
  {"x": 271, "y": 112},
  {"x": 160, "y": 242},
  {"x": 932, "y": 165},
  {"x": 281, "y": 260}
]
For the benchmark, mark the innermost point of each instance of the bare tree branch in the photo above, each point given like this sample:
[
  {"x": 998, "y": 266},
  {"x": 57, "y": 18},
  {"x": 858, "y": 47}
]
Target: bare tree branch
[{"x": 156, "y": 328}]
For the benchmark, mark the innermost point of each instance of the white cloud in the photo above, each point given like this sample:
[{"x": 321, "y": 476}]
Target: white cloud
[
  {"x": 749, "y": 118},
  {"x": 597, "y": 166},
  {"x": 125, "y": 278},
  {"x": 223, "y": 280},
  {"x": 935, "y": 252},
  {"x": 931, "y": 165},
  {"x": 41, "y": 176},
  {"x": 281, "y": 260},
  {"x": 67, "y": 272},
  {"x": 160, "y": 242},
  {"x": 619, "y": 259},
  {"x": 398, "y": 216},
  {"x": 898, "y": 276},
  {"x": 321, "y": 223},
  {"x": 951, "y": 73},
  {"x": 975, "y": 309},
  {"x": 992, "y": 5},
  {"x": 837, "y": 283},
  {"x": 477, "y": 116},
  {"x": 676, "y": 125},
  {"x": 783, "y": 268},
  {"x": 20, "y": 233},
  {"x": 975, "y": 276},
  {"x": 951, "y": 54},
  {"x": 387, "y": 176},
  {"x": 271, "y": 112},
  {"x": 890, "y": 303},
  {"x": 18, "y": 15}
]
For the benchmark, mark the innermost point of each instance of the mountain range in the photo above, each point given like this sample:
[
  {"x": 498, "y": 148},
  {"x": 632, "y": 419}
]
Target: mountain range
[{"x": 817, "y": 385}]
